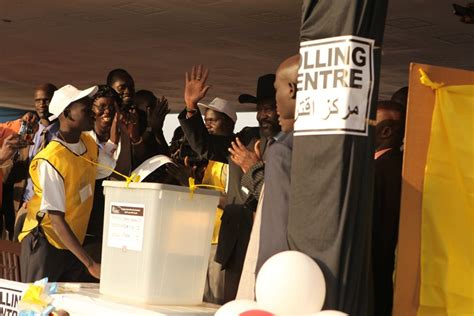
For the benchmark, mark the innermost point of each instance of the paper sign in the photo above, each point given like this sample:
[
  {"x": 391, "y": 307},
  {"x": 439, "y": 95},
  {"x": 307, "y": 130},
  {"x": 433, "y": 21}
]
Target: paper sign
[
  {"x": 335, "y": 84},
  {"x": 150, "y": 165},
  {"x": 126, "y": 226},
  {"x": 10, "y": 295}
]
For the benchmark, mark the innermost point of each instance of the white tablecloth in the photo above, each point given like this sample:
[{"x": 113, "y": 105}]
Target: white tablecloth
[{"x": 85, "y": 299}]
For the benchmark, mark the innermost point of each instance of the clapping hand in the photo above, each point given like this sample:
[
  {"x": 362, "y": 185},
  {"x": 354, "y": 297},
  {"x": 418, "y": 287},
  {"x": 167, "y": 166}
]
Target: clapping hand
[
  {"x": 243, "y": 157},
  {"x": 156, "y": 118}
]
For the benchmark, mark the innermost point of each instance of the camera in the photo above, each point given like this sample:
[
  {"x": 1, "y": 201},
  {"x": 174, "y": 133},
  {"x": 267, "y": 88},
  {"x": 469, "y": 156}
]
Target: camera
[{"x": 25, "y": 131}]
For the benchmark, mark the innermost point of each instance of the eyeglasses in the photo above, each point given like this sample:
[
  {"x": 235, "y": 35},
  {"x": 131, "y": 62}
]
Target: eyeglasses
[
  {"x": 42, "y": 101},
  {"x": 212, "y": 120}
]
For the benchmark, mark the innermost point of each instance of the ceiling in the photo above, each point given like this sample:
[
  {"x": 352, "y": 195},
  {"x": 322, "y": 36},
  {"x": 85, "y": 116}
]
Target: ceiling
[{"x": 80, "y": 41}]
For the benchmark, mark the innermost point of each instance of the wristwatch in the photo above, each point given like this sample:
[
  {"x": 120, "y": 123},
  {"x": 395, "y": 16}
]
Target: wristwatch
[{"x": 191, "y": 110}]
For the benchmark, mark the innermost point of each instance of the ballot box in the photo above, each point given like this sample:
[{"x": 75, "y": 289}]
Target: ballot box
[{"x": 156, "y": 242}]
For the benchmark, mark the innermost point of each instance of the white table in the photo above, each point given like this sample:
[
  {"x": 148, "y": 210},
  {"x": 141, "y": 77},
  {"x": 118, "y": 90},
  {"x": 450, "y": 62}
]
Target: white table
[{"x": 84, "y": 299}]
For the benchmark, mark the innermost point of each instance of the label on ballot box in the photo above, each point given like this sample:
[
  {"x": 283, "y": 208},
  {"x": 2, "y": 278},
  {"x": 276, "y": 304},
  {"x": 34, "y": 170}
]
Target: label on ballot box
[{"x": 126, "y": 226}]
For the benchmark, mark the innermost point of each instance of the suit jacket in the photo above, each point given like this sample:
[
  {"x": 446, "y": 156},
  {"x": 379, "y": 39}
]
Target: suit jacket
[
  {"x": 269, "y": 231},
  {"x": 276, "y": 203},
  {"x": 237, "y": 218}
]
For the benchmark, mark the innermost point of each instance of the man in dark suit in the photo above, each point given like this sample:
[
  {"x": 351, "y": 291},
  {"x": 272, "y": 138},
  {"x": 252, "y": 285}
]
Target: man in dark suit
[
  {"x": 273, "y": 230},
  {"x": 389, "y": 133},
  {"x": 237, "y": 218},
  {"x": 269, "y": 234}
]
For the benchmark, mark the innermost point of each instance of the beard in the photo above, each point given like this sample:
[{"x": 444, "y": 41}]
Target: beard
[{"x": 269, "y": 128}]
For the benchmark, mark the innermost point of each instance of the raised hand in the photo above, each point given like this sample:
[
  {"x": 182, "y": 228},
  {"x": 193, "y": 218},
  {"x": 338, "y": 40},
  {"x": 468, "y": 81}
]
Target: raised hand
[
  {"x": 158, "y": 115},
  {"x": 115, "y": 129},
  {"x": 130, "y": 120},
  {"x": 196, "y": 88}
]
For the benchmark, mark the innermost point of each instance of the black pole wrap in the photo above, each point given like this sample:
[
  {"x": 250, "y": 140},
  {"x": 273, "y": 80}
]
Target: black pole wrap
[{"x": 332, "y": 175}]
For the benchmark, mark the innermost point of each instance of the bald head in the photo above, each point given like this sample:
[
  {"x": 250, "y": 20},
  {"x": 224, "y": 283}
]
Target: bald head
[
  {"x": 49, "y": 88},
  {"x": 286, "y": 87},
  {"x": 288, "y": 69},
  {"x": 42, "y": 96}
]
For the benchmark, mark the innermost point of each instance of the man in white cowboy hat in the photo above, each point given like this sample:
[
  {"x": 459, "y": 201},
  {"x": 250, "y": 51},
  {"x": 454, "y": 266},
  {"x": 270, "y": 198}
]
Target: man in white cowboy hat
[
  {"x": 63, "y": 174},
  {"x": 237, "y": 218},
  {"x": 219, "y": 118}
]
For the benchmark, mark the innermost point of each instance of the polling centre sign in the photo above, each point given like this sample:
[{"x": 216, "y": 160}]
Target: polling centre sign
[
  {"x": 335, "y": 85},
  {"x": 10, "y": 294}
]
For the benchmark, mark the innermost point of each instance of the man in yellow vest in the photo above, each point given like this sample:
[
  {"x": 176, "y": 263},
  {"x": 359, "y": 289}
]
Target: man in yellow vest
[{"x": 63, "y": 176}]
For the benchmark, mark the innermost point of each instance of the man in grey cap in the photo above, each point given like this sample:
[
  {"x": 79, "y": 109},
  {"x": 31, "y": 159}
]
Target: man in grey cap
[
  {"x": 237, "y": 219},
  {"x": 219, "y": 118}
]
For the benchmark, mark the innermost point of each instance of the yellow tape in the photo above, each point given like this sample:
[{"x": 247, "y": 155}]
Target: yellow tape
[
  {"x": 132, "y": 178},
  {"x": 193, "y": 186},
  {"x": 424, "y": 79}
]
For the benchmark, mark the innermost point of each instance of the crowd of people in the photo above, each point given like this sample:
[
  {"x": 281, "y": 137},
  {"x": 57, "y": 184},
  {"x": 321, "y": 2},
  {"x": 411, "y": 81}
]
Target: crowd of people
[{"x": 54, "y": 162}]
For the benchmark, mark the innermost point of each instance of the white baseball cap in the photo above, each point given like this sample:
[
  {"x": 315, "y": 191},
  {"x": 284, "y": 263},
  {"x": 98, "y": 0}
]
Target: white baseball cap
[
  {"x": 222, "y": 106},
  {"x": 65, "y": 96}
]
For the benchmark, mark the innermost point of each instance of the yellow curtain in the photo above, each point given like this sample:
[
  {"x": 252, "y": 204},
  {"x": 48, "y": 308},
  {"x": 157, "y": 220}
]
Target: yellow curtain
[{"x": 447, "y": 243}]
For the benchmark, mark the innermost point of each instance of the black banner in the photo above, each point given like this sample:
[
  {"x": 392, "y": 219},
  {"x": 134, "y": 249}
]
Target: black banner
[{"x": 332, "y": 175}]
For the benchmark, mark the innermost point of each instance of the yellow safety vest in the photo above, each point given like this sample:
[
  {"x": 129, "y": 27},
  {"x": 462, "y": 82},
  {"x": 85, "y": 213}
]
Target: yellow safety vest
[
  {"x": 216, "y": 174},
  {"x": 79, "y": 180}
]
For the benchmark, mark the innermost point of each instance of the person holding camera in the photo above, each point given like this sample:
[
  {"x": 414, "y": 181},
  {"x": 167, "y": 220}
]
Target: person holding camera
[
  {"x": 122, "y": 82},
  {"x": 151, "y": 118},
  {"x": 10, "y": 143},
  {"x": 18, "y": 185},
  {"x": 16, "y": 139}
]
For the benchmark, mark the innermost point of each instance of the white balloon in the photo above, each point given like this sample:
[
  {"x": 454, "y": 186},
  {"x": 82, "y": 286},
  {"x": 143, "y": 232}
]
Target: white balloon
[
  {"x": 290, "y": 283},
  {"x": 234, "y": 308},
  {"x": 330, "y": 313}
]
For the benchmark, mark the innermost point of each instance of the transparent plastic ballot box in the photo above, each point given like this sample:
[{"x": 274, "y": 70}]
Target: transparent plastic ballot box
[{"x": 156, "y": 242}]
